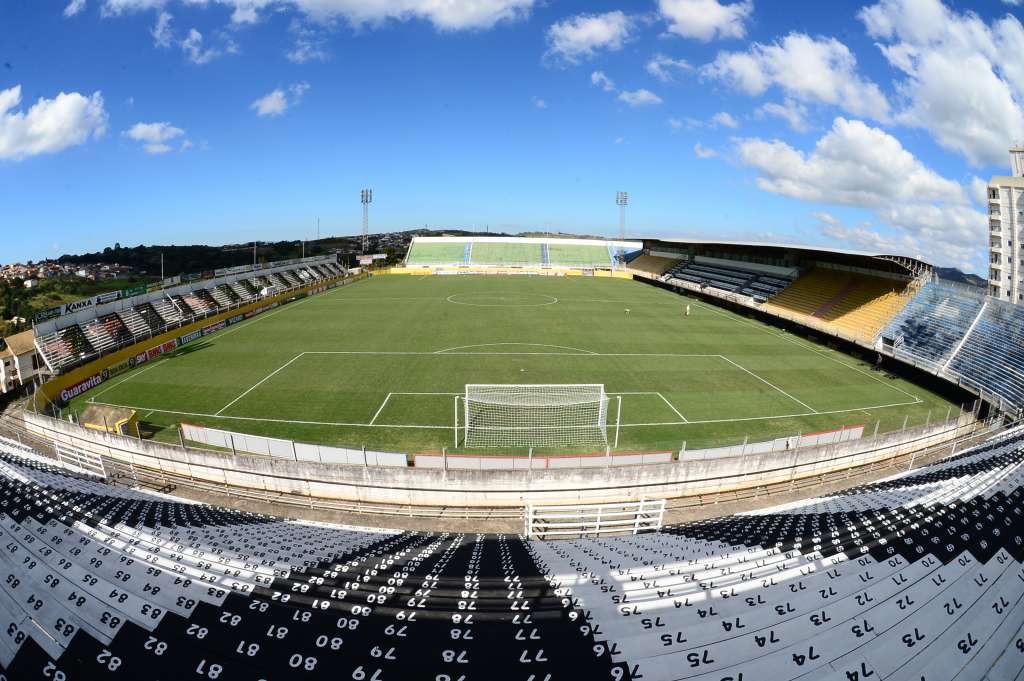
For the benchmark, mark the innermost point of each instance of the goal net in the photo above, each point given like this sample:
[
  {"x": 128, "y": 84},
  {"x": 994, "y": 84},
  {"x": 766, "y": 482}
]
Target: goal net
[{"x": 545, "y": 415}]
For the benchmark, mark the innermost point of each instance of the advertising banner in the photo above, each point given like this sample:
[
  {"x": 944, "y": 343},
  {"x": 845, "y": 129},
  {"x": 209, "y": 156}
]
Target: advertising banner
[
  {"x": 79, "y": 388},
  {"x": 133, "y": 291},
  {"x": 193, "y": 276},
  {"x": 50, "y": 313},
  {"x": 189, "y": 337},
  {"x": 118, "y": 368},
  {"x": 213, "y": 327},
  {"x": 107, "y": 297},
  {"x": 172, "y": 281},
  {"x": 78, "y": 305}
]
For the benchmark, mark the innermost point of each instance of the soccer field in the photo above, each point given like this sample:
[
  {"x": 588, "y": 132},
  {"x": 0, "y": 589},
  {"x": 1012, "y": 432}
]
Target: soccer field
[{"x": 379, "y": 363}]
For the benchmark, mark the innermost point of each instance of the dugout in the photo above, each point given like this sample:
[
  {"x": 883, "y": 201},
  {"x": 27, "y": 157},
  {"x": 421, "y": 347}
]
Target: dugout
[{"x": 116, "y": 420}]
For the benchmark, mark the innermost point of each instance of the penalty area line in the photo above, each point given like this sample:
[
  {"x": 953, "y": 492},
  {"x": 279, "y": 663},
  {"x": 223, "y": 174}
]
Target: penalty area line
[
  {"x": 265, "y": 379},
  {"x": 380, "y": 409},
  {"x": 770, "y": 384}
]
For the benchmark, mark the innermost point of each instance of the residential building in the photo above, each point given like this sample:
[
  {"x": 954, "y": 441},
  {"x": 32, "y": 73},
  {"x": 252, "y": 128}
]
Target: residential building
[
  {"x": 1005, "y": 225},
  {"x": 20, "y": 362}
]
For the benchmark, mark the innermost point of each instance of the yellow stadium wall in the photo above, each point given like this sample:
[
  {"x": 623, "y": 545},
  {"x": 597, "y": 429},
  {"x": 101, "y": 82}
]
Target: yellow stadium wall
[{"x": 51, "y": 389}]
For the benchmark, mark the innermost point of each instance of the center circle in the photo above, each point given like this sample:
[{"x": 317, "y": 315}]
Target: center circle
[{"x": 501, "y": 300}]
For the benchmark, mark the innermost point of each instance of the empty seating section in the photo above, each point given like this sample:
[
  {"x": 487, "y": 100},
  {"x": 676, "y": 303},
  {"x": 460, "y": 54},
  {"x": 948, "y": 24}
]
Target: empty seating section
[
  {"x": 167, "y": 311},
  {"x": 570, "y": 255},
  {"x": 489, "y": 253},
  {"x": 920, "y": 576},
  {"x": 135, "y": 323},
  {"x": 731, "y": 278},
  {"x": 110, "y": 583},
  {"x": 931, "y": 326},
  {"x": 149, "y": 315},
  {"x": 116, "y": 329},
  {"x": 281, "y": 281},
  {"x": 917, "y": 576},
  {"x": 653, "y": 265},
  {"x": 992, "y": 356},
  {"x": 182, "y": 305},
  {"x": 847, "y": 303},
  {"x": 445, "y": 253},
  {"x": 241, "y": 291},
  {"x": 98, "y": 336},
  {"x": 204, "y": 295}
]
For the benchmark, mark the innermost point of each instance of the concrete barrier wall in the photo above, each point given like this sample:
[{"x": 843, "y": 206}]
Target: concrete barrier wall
[
  {"x": 828, "y": 437},
  {"x": 493, "y": 488},
  {"x": 287, "y": 449},
  {"x": 537, "y": 463}
]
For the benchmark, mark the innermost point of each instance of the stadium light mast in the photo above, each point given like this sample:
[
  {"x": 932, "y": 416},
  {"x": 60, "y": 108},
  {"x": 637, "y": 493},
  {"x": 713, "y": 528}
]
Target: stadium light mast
[
  {"x": 365, "y": 197},
  {"x": 622, "y": 200}
]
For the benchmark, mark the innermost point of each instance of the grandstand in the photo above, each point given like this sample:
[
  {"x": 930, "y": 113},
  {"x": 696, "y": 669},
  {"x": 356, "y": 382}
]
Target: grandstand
[
  {"x": 72, "y": 339},
  {"x": 920, "y": 575},
  {"x": 539, "y": 252}
]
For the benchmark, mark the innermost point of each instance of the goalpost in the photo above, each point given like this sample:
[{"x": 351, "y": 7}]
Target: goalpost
[{"x": 533, "y": 415}]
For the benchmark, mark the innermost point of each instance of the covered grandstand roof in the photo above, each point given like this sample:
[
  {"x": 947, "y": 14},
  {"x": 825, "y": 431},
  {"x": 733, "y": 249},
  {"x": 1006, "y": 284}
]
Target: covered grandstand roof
[{"x": 909, "y": 264}]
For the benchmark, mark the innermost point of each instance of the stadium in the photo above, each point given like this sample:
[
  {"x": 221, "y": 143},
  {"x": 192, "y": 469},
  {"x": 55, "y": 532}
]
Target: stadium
[{"x": 529, "y": 458}]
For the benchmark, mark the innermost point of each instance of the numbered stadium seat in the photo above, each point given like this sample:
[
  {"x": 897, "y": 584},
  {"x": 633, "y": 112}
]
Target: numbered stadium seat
[{"x": 920, "y": 575}]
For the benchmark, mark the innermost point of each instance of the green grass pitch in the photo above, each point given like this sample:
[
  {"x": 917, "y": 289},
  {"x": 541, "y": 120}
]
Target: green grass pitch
[{"x": 378, "y": 363}]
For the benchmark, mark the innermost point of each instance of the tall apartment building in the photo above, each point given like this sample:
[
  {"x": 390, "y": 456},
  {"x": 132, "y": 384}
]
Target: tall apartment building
[{"x": 1005, "y": 228}]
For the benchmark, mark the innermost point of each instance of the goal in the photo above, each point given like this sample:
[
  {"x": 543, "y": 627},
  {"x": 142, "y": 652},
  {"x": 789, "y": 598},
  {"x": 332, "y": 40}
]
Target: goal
[{"x": 537, "y": 415}]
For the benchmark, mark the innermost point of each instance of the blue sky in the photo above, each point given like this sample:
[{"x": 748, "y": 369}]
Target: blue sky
[{"x": 867, "y": 125}]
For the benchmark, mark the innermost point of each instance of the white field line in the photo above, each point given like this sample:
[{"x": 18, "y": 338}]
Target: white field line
[
  {"x": 449, "y": 427},
  {"x": 533, "y": 354},
  {"x": 256, "y": 385},
  {"x": 380, "y": 409},
  {"x": 537, "y": 345},
  {"x": 770, "y": 384},
  {"x": 789, "y": 337},
  {"x": 672, "y": 407}
]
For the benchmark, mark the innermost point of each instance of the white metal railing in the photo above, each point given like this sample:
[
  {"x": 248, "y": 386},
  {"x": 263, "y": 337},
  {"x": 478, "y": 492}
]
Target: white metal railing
[
  {"x": 79, "y": 460},
  {"x": 582, "y": 520}
]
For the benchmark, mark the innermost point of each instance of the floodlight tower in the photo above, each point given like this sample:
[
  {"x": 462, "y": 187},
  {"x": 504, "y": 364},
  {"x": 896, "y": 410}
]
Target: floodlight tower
[
  {"x": 366, "y": 196},
  {"x": 622, "y": 200}
]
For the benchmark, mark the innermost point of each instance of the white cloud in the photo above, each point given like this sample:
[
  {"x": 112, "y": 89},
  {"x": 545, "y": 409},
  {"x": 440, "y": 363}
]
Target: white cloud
[
  {"x": 979, "y": 191},
  {"x": 49, "y": 125},
  {"x": 602, "y": 81},
  {"x": 864, "y": 167},
  {"x": 156, "y": 136},
  {"x": 620, "y": 140},
  {"x": 445, "y": 15},
  {"x": 703, "y": 152},
  {"x": 725, "y": 120},
  {"x": 539, "y": 103},
  {"x": 805, "y": 68},
  {"x": 193, "y": 48},
  {"x": 706, "y": 19},
  {"x": 639, "y": 97},
  {"x": 74, "y": 7},
  {"x": 161, "y": 31},
  {"x": 276, "y": 102},
  {"x": 581, "y": 37},
  {"x": 310, "y": 44},
  {"x": 675, "y": 124},
  {"x": 790, "y": 111},
  {"x": 963, "y": 78},
  {"x": 664, "y": 68}
]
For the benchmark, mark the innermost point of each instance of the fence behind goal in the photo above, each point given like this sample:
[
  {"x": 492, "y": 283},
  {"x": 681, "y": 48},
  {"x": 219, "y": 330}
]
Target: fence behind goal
[{"x": 533, "y": 415}]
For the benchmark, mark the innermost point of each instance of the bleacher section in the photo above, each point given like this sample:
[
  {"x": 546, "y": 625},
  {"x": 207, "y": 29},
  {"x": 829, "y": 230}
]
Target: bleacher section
[
  {"x": 652, "y": 265},
  {"x": 444, "y": 253},
  {"x": 561, "y": 255},
  {"x": 992, "y": 356},
  {"x": 487, "y": 253},
  {"x": 730, "y": 278},
  {"x": 528, "y": 252},
  {"x": 77, "y": 343},
  {"x": 932, "y": 325},
  {"x": 851, "y": 304},
  {"x": 919, "y": 576}
]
